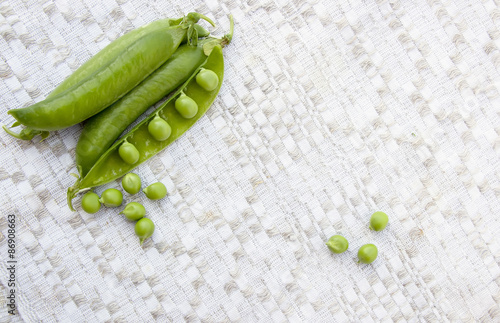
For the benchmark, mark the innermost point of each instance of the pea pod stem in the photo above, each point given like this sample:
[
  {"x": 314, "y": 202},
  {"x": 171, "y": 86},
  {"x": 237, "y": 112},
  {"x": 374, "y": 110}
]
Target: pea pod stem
[
  {"x": 195, "y": 17},
  {"x": 207, "y": 19},
  {"x": 229, "y": 36},
  {"x": 189, "y": 23},
  {"x": 223, "y": 41},
  {"x": 27, "y": 133}
]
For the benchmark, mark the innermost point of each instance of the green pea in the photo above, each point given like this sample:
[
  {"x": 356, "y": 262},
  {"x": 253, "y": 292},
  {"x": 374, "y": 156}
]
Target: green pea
[
  {"x": 159, "y": 129},
  {"x": 367, "y": 253},
  {"x": 111, "y": 197},
  {"x": 186, "y": 106},
  {"x": 131, "y": 183},
  {"x": 134, "y": 211},
  {"x": 337, "y": 244},
  {"x": 144, "y": 229},
  {"x": 90, "y": 202},
  {"x": 128, "y": 153},
  {"x": 155, "y": 191},
  {"x": 378, "y": 221},
  {"x": 207, "y": 79}
]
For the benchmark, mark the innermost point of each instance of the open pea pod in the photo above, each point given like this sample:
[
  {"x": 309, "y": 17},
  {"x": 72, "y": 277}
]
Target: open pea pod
[
  {"x": 111, "y": 166},
  {"x": 101, "y": 130}
]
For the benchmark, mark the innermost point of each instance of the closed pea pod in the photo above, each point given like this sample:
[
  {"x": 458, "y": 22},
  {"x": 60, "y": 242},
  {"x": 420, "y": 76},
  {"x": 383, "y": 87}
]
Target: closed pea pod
[
  {"x": 110, "y": 165},
  {"x": 103, "y": 87},
  {"x": 96, "y": 93}
]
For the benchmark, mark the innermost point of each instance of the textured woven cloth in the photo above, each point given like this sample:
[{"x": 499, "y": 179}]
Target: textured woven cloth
[{"x": 328, "y": 112}]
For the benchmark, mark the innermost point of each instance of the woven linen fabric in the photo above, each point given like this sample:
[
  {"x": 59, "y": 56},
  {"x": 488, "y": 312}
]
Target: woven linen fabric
[{"x": 329, "y": 111}]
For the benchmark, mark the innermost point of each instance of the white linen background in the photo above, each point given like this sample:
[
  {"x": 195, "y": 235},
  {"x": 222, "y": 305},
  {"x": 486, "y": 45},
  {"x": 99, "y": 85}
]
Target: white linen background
[{"x": 328, "y": 112}]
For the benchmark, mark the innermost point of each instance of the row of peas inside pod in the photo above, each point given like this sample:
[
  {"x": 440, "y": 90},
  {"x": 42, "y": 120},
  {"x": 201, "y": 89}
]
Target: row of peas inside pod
[
  {"x": 367, "y": 253},
  {"x": 158, "y": 128},
  {"x": 133, "y": 211}
]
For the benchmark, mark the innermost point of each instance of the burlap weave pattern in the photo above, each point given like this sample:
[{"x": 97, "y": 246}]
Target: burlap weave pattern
[{"x": 328, "y": 112}]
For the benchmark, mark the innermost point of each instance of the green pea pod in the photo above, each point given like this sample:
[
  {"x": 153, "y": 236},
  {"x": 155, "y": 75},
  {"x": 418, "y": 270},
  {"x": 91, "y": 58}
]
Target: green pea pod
[
  {"x": 115, "y": 48},
  {"x": 110, "y": 165},
  {"x": 107, "y": 54},
  {"x": 101, "y": 88},
  {"x": 101, "y": 130}
]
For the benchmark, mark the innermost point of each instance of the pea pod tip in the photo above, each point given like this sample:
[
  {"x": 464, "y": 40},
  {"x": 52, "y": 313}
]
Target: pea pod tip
[
  {"x": 26, "y": 133},
  {"x": 72, "y": 191},
  {"x": 70, "y": 196},
  {"x": 21, "y": 135}
]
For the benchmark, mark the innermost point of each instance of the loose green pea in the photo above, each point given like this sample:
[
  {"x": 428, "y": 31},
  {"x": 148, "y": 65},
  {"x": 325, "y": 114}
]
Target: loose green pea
[
  {"x": 367, "y": 253},
  {"x": 207, "y": 79},
  {"x": 337, "y": 244},
  {"x": 111, "y": 197},
  {"x": 90, "y": 202},
  {"x": 155, "y": 191},
  {"x": 186, "y": 106},
  {"x": 144, "y": 229},
  {"x": 131, "y": 183},
  {"x": 159, "y": 129},
  {"x": 134, "y": 211},
  {"x": 378, "y": 221},
  {"x": 128, "y": 153}
]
